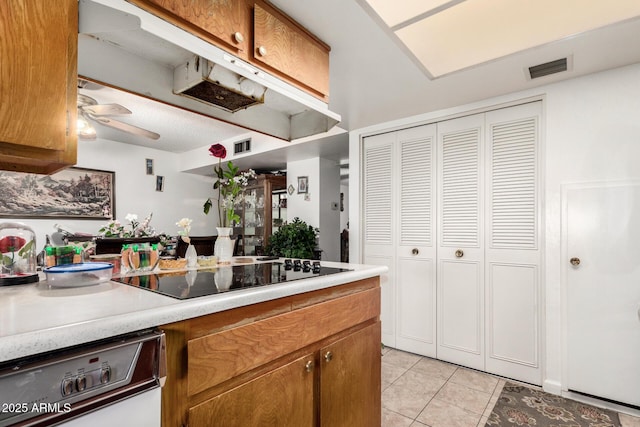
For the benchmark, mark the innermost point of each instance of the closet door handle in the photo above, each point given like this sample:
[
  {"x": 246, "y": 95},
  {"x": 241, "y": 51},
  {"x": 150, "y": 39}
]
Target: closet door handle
[
  {"x": 459, "y": 253},
  {"x": 415, "y": 251},
  {"x": 575, "y": 261}
]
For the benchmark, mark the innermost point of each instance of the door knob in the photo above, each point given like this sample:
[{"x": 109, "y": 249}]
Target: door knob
[
  {"x": 309, "y": 366},
  {"x": 575, "y": 261},
  {"x": 459, "y": 253},
  {"x": 328, "y": 356},
  {"x": 415, "y": 251}
]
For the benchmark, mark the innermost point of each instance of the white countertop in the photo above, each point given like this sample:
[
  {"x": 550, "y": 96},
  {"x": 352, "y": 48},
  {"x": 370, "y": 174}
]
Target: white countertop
[{"x": 37, "y": 318}]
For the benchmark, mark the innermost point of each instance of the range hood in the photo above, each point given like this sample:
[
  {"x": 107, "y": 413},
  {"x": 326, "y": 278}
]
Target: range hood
[
  {"x": 124, "y": 46},
  {"x": 210, "y": 83}
]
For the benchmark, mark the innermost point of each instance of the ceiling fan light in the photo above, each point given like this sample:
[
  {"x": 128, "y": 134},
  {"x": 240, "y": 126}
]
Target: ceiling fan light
[
  {"x": 88, "y": 132},
  {"x": 81, "y": 124}
]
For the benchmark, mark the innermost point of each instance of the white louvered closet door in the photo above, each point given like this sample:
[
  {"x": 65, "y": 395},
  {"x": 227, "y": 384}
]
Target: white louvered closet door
[
  {"x": 416, "y": 250},
  {"x": 460, "y": 258},
  {"x": 379, "y": 200},
  {"x": 512, "y": 269}
]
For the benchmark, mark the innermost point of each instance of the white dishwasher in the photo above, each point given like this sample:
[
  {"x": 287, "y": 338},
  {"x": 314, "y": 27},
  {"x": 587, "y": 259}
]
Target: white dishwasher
[{"x": 107, "y": 383}]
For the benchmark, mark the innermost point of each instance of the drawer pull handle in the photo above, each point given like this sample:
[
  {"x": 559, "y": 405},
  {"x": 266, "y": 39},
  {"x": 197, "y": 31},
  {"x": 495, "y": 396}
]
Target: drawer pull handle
[
  {"x": 328, "y": 356},
  {"x": 238, "y": 37},
  {"x": 262, "y": 51},
  {"x": 309, "y": 366}
]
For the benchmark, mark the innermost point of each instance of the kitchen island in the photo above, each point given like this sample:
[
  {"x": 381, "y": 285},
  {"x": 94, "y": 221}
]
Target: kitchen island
[{"x": 305, "y": 352}]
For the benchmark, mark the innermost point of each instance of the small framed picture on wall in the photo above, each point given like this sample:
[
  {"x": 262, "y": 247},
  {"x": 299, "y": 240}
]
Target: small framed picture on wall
[
  {"x": 159, "y": 183},
  {"x": 149, "y": 164},
  {"x": 303, "y": 184}
]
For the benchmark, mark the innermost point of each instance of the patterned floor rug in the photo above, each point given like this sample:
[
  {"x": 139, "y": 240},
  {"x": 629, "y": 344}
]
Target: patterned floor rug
[{"x": 523, "y": 406}]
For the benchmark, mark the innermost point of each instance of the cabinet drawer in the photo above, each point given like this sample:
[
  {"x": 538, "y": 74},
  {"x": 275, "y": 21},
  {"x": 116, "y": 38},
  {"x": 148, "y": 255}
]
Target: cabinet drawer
[
  {"x": 285, "y": 47},
  {"x": 216, "y": 358}
]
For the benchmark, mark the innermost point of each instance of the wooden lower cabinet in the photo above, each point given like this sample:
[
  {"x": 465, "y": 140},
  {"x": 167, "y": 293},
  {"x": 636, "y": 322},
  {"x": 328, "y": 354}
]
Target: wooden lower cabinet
[
  {"x": 350, "y": 380},
  {"x": 282, "y": 397},
  {"x": 306, "y": 360}
]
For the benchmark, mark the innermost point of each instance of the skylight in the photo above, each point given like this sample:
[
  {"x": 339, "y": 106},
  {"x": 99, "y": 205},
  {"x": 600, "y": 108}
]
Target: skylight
[{"x": 448, "y": 36}]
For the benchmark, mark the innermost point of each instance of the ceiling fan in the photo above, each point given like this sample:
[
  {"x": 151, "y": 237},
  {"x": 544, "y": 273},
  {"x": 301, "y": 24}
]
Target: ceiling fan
[{"x": 89, "y": 109}]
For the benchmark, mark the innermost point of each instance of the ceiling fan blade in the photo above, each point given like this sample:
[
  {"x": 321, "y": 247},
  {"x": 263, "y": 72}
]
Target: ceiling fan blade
[
  {"x": 106, "y": 109},
  {"x": 125, "y": 127}
]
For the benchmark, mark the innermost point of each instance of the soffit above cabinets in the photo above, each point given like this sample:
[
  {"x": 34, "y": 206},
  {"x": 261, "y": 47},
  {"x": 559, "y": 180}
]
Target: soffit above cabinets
[{"x": 444, "y": 37}]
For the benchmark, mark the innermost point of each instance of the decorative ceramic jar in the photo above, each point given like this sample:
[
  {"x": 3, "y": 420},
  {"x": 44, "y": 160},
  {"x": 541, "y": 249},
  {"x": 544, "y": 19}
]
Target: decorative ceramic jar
[{"x": 223, "y": 247}]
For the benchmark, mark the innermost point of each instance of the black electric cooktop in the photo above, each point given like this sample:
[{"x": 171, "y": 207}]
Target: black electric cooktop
[{"x": 198, "y": 283}]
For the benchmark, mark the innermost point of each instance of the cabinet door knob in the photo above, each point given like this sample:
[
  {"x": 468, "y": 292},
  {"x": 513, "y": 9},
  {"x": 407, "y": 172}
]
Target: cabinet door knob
[
  {"x": 238, "y": 37},
  {"x": 328, "y": 356},
  {"x": 575, "y": 261},
  {"x": 308, "y": 366},
  {"x": 459, "y": 253},
  {"x": 415, "y": 251},
  {"x": 262, "y": 51}
]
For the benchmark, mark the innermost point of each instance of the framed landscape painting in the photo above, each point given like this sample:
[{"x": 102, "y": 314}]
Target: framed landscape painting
[{"x": 76, "y": 193}]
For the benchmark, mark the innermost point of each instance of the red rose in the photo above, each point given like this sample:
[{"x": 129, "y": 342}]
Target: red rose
[
  {"x": 218, "y": 150},
  {"x": 11, "y": 243}
]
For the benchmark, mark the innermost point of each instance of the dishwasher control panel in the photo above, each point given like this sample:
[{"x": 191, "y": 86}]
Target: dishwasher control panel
[
  {"x": 43, "y": 386},
  {"x": 87, "y": 380}
]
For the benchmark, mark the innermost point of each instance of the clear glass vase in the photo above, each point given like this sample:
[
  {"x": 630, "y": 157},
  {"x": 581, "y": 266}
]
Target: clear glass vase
[
  {"x": 191, "y": 256},
  {"x": 223, "y": 248}
]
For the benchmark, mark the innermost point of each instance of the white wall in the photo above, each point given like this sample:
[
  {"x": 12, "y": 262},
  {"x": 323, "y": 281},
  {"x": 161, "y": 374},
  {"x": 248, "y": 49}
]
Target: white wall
[
  {"x": 344, "y": 215},
  {"x": 330, "y": 210},
  {"x": 591, "y": 133},
  {"x": 135, "y": 192},
  {"x": 307, "y": 210},
  {"x": 315, "y": 207}
]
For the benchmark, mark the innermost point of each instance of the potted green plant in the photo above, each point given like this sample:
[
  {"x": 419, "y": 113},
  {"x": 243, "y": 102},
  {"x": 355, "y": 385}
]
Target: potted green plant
[{"x": 296, "y": 239}]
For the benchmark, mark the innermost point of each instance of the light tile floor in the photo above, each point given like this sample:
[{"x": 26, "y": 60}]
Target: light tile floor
[{"x": 419, "y": 391}]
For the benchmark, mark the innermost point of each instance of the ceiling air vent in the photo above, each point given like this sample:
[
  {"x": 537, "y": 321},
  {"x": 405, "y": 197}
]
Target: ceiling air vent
[
  {"x": 242, "y": 146},
  {"x": 557, "y": 66}
]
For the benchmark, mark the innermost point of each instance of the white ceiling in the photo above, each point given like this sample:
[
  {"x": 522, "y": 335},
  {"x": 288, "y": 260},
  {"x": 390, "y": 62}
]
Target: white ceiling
[
  {"x": 374, "y": 79},
  {"x": 449, "y": 36}
]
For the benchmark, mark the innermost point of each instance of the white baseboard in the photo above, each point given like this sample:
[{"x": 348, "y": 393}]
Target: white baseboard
[{"x": 553, "y": 387}]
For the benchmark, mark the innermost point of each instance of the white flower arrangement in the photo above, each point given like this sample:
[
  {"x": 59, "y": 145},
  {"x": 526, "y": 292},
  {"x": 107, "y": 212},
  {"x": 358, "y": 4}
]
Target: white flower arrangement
[
  {"x": 185, "y": 224},
  {"x": 116, "y": 229}
]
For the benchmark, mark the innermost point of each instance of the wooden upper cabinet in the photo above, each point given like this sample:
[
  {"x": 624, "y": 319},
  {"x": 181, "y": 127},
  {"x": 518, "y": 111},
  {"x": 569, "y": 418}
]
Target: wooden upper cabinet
[
  {"x": 224, "y": 23},
  {"x": 254, "y": 31},
  {"x": 288, "y": 49},
  {"x": 38, "y": 85}
]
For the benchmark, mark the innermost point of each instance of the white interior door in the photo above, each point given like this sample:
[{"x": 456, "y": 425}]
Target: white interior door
[
  {"x": 460, "y": 242},
  {"x": 512, "y": 243},
  {"x": 416, "y": 250},
  {"x": 602, "y": 224},
  {"x": 379, "y": 218}
]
